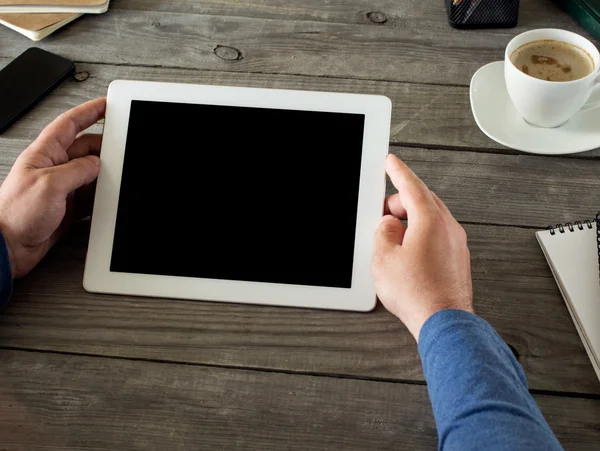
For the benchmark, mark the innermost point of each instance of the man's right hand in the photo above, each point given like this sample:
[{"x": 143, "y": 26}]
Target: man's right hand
[{"x": 425, "y": 267}]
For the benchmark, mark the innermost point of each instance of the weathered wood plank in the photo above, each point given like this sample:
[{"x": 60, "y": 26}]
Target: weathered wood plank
[
  {"x": 415, "y": 54},
  {"x": 423, "y": 115},
  {"x": 409, "y": 13},
  {"x": 391, "y": 13},
  {"x": 75, "y": 402},
  {"x": 524, "y": 190},
  {"x": 513, "y": 290}
]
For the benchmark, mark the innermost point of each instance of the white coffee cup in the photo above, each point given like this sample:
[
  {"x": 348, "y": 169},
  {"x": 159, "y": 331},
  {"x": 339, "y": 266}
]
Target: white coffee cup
[{"x": 550, "y": 103}]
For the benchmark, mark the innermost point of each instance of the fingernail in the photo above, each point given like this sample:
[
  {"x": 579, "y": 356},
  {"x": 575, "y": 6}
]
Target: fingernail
[
  {"x": 387, "y": 218},
  {"x": 97, "y": 161}
]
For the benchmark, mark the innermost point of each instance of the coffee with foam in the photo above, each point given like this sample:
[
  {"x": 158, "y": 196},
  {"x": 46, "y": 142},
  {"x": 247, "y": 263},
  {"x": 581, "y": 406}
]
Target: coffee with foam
[{"x": 552, "y": 60}]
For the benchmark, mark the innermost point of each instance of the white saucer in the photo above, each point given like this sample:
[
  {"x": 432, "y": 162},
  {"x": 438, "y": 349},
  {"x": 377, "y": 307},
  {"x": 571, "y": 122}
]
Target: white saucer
[{"x": 497, "y": 118}]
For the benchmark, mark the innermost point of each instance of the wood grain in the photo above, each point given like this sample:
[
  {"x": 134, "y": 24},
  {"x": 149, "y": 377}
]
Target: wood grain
[
  {"x": 422, "y": 115},
  {"x": 406, "y": 14},
  {"x": 523, "y": 190},
  {"x": 74, "y": 402},
  {"x": 513, "y": 290},
  {"x": 415, "y": 54}
]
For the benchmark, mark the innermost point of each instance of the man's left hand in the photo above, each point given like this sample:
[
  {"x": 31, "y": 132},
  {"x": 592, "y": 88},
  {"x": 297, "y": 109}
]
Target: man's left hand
[{"x": 38, "y": 197}]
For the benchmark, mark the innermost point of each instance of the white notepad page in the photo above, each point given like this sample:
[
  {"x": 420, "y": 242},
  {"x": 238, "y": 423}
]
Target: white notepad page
[{"x": 573, "y": 258}]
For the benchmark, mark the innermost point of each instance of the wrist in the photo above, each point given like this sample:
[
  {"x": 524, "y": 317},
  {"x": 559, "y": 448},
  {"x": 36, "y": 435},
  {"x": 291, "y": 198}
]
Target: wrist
[{"x": 416, "y": 323}]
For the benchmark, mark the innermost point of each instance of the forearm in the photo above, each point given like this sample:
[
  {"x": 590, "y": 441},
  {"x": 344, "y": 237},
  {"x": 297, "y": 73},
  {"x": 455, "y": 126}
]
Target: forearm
[
  {"x": 477, "y": 388},
  {"x": 5, "y": 274}
]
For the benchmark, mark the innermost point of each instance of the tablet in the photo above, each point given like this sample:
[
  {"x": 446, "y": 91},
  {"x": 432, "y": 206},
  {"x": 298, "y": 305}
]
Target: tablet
[{"x": 239, "y": 194}]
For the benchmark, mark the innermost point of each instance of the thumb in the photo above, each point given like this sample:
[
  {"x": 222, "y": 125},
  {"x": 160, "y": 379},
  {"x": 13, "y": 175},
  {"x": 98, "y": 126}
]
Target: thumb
[
  {"x": 389, "y": 234},
  {"x": 77, "y": 172}
]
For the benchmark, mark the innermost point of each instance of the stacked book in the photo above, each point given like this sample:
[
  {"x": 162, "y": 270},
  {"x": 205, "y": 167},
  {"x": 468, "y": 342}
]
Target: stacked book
[{"x": 37, "y": 19}]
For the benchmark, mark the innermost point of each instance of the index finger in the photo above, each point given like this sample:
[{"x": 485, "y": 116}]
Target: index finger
[
  {"x": 415, "y": 197},
  {"x": 56, "y": 138}
]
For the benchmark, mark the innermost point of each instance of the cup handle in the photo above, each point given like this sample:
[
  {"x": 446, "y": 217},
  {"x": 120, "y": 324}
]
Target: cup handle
[{"x": 596, "y": 103}]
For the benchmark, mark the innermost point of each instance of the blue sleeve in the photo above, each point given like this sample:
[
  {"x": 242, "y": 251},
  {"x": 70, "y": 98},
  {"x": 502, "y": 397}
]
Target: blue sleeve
[
  {"x": 478, "y": 390},
  {"x": 6, "y": 282}
]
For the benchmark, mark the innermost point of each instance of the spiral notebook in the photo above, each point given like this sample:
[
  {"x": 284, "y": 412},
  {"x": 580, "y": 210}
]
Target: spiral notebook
[{"x": 573, "y": 253}]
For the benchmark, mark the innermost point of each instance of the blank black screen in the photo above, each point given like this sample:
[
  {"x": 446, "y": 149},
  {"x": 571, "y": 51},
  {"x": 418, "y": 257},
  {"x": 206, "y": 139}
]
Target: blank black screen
[{"x": 238, "y": 193}]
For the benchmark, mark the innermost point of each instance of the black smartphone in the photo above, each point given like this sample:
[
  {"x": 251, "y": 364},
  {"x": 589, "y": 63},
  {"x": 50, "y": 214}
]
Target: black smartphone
[{"x": 27, "y": 80}]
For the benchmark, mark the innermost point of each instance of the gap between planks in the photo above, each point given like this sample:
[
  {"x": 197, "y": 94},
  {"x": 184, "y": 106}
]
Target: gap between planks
[{"x": 554, "y": 393}]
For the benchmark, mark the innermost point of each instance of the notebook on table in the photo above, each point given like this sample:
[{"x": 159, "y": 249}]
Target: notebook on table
[
  {"x": 572, "y": 251},
  {"x": 37, "y": 26},
  {"x": 54, "y": 6}
]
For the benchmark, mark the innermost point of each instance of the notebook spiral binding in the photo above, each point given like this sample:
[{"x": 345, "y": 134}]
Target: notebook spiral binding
[
  {"x": 562, "y": 228},
  {"x": 571, "y": 226}
]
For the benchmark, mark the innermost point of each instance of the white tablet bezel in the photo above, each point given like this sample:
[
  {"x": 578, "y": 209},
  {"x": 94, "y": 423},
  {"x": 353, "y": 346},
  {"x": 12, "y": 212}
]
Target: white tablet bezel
[{"x": 360, "y": 297}]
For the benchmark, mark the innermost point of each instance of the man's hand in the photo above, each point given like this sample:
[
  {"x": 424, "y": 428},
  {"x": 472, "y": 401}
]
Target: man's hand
[
  {"x": 425, "y": 267},
  {"x": 37, "y": 199}
]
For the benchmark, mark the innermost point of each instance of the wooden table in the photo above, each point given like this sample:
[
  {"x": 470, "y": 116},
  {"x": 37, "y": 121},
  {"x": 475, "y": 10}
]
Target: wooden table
[{"x": 94, "y": 372}]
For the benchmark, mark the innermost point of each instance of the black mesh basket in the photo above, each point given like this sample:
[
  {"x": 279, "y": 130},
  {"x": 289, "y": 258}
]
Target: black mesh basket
[{"x": 483, "y": 13}]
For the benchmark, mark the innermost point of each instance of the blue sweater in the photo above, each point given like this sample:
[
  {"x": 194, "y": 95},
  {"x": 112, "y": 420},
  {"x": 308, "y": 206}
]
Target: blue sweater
[
  {"x": 477, "y": 388},
  {"x": 6, "y": 281}
]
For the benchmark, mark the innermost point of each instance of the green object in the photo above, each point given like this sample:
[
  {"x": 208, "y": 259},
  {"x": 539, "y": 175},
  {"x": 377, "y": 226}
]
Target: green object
[{"x": 586, "y": 12}]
